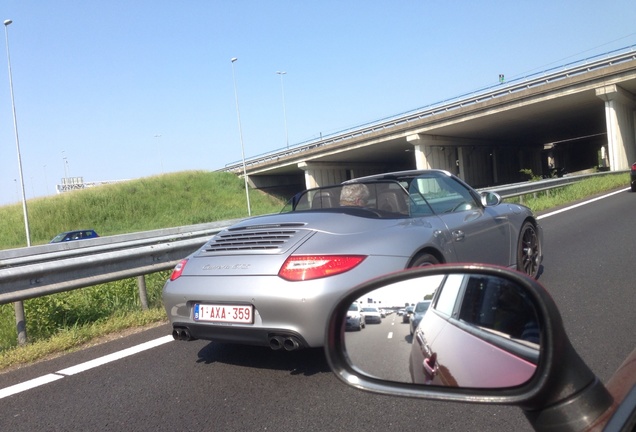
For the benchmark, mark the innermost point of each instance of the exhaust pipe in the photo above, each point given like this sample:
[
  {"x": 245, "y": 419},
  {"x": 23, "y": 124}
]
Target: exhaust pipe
[
  {"x": 287, "y": 342},
  {"x": 291, "y": 343},
  {"x": 276, "y": 342},
  {"x": 182, "y": 334}
]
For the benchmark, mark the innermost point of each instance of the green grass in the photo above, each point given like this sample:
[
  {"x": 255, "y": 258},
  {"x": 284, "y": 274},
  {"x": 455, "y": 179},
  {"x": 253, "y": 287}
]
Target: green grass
[
  {"x": 151, "y": 203},
  {"x": 66, "y": 321}
]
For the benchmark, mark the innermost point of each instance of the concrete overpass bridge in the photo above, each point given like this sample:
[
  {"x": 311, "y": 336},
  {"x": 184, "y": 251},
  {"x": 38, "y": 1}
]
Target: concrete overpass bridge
[{"x": 575, "y": 117}]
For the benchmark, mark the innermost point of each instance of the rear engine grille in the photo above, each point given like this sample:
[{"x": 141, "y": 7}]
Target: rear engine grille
[{"x": 261, "y": 237}]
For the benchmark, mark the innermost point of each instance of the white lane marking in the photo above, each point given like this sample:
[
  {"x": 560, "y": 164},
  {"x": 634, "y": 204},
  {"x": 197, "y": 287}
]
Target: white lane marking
[
  {"x": 28, "y": 385},
  {"x": 45, "y": 379},
  {"x": 580, "y": 204},
  {"x": 115, "y": 356},
  {"x": 390, "y": 335}
]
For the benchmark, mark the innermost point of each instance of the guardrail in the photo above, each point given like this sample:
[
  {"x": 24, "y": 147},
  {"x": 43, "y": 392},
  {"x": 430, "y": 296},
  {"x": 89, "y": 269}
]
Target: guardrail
[
  {"x": 533, "y": 187},
  {"x": 37, "y": 271},
  {"x": 47, "y": 269}
]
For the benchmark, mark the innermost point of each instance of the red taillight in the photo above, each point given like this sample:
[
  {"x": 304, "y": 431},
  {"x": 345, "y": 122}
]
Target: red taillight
[
  {"x": 307, "y": 267},
  {"x": 634, "y": 166},
  {"x": 178, "y": 269}
]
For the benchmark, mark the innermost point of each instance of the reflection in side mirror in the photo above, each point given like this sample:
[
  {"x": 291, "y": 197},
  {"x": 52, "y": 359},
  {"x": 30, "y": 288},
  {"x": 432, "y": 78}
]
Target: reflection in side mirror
[{"x": 465, "y": 330}]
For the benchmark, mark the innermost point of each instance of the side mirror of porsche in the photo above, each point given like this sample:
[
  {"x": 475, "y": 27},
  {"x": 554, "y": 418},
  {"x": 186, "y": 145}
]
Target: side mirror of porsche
[
  {"x": 490, "y": 199},
  {"x": 490, "y": 335}
]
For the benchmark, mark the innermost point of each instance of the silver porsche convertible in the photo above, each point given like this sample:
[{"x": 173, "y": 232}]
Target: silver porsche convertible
[{"x": 272, "y": 280}]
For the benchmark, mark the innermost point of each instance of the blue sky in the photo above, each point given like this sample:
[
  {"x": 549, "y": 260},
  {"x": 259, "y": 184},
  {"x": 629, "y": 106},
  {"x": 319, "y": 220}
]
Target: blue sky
[{"x": 127, "y": 89}]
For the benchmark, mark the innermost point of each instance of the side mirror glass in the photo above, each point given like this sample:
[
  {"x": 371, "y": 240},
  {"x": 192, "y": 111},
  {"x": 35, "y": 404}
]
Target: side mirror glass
[{"x": 467, "y": 330}]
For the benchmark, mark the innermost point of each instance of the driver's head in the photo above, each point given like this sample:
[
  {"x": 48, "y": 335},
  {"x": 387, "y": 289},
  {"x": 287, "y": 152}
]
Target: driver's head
[{"x": 354, "y": 195}]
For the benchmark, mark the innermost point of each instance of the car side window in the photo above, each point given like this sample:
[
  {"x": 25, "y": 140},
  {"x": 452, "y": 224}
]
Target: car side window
[
  {"x": 442, "y": 194},
  {"x": 447, "y": 297},
  {"x": 495, "y": 305}
]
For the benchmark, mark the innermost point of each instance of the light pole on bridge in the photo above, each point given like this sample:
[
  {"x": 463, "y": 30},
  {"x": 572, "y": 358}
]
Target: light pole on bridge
[{"x": 238, "y": 115}]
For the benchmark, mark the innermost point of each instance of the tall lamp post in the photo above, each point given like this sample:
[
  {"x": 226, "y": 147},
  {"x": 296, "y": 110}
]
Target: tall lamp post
[
  {"x": 281, "y": 73},
  {"x": 17, "y": 141},
  {"x": 18, "y": 306},
  {"x": 238, "y": 115}
]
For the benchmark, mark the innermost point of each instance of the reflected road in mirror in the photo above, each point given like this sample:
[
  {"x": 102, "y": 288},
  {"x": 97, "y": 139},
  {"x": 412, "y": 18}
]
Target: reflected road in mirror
[{"x": 382, "y": 350}]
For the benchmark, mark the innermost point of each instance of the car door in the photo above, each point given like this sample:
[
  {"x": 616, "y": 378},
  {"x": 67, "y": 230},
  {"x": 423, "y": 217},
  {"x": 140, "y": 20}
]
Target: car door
[
  {"x": 478, "y": 233},
  {"x": 466, "y": 316}
]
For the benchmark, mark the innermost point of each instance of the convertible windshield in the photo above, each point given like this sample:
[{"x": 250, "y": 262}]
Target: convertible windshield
[{"x": 413, "y": 195}]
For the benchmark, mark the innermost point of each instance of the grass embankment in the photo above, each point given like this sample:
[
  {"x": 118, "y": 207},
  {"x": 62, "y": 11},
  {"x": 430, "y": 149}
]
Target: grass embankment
[
  {"x": 65, "y": 321},
  {"x": 139, "y": 205}
]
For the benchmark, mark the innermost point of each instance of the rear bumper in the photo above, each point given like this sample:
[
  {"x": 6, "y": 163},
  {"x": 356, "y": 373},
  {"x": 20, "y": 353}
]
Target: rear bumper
[
  {"x": 247, "y": 336},
  {"x": 299, "y": 309}
]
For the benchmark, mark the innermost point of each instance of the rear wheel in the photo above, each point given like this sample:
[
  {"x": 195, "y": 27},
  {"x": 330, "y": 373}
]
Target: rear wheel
[
  {"x": 529, "y": 250},
  {"x": 424, "y": 260}
]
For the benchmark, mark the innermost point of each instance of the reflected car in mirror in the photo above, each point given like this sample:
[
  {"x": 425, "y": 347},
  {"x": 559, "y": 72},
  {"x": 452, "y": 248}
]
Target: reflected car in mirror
[{"x": 491, "y": 320}]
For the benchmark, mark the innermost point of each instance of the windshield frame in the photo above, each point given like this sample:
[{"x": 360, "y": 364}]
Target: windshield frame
[{"x": 412, "y": 194}]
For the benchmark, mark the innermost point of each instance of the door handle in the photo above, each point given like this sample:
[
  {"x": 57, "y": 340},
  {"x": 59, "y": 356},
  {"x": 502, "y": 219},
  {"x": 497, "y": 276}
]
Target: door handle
[{"x": 430, "y": 367}]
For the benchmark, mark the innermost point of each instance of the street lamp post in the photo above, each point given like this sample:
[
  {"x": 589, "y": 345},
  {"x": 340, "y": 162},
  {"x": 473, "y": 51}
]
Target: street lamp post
[
  {"x": 238, "y": 115},
  {"x": 17, "y": 141},
  {"x": 281, "y": 73},
  {"x": 18, "y": 306}
]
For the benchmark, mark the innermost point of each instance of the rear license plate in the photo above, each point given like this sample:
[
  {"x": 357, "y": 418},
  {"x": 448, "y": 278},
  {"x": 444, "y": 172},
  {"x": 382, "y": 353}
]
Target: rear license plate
[{"x": 242, "y": 314}]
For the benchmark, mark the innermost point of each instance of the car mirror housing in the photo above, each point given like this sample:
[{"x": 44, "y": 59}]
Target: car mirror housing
[
  {"x": 490, "y": 199},
  {"x": 461, "y": 350}
]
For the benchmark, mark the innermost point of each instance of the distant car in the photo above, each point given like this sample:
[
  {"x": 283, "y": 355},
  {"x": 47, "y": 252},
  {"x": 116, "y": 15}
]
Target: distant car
[
  {"x": 74, "y": 235},
  {"x": 486, "y": 316},
  {"x": 633, "y": 177},
  {"x": 270, "y": 280},
  {"x": 418, "y": 313},
  {"x": 355, "y": 318},
  {"x": 406, "y": 316},
  {"x": 371, "y": 315}
]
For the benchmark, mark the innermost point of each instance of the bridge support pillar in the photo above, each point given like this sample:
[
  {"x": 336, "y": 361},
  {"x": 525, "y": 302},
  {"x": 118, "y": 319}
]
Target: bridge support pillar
[
  {"x": 331, "y": 173},
  {"x": 322, "y": 174},
  {"x": 620, "y": 116},
  {"x": 432, "y": 151}
]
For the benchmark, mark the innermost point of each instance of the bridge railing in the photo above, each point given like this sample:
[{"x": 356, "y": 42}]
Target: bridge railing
[{"x": 484, "y": 94}]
